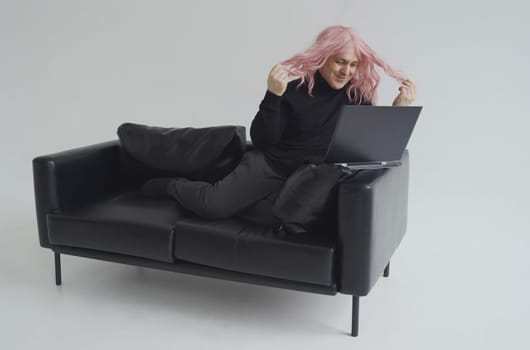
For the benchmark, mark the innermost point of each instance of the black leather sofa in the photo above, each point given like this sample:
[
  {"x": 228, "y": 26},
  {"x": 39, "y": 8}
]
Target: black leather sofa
[{"x": 87, "y": 205}]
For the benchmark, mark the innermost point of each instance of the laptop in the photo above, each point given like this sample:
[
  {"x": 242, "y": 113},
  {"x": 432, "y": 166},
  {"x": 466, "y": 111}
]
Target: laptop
[{"x": 371, "y": 137}]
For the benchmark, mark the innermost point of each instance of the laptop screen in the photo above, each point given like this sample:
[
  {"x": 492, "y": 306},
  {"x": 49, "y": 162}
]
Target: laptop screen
[{"x": 371, "y": 133}]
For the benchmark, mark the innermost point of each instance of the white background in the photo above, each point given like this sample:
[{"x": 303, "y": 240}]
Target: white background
[{"x": 72, "y": 71}]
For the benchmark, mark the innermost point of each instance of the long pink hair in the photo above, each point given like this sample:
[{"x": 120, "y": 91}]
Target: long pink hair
[{"x": 335, "y": 40}]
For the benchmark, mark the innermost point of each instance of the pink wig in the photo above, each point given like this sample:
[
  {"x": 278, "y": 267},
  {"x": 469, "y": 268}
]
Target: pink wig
[{"x": 335, "y": 40}]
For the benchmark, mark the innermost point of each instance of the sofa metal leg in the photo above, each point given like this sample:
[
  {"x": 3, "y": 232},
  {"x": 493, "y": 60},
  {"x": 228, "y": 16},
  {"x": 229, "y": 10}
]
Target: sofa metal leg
[
  {"x": 387, "y": 270},
  {"x": 58, "y": 269},
  {"x": 355, "y": 316}
]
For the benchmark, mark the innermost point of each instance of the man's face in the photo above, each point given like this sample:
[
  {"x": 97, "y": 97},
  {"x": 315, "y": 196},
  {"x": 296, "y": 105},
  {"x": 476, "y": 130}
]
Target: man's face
[{"x": 338, "y": 69}]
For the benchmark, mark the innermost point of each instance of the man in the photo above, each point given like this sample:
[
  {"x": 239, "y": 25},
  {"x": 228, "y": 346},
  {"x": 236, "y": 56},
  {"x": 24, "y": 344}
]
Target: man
[{"x": 294, "y": 123}]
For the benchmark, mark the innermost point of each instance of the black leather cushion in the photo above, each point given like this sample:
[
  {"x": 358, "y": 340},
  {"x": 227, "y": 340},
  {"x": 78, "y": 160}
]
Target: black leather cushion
[
  {"x": 238, "y": 245},
  {"x": 205, "y": 154},
  {"x": 303, "y": 199},
  {"x": 129, "y": 224}
]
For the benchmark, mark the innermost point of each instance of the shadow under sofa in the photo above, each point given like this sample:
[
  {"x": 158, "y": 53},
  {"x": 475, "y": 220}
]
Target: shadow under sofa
[{"x": 86, "y": 208}]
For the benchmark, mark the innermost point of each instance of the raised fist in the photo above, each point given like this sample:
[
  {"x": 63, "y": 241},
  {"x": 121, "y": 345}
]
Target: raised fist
[{"x": 278, "y": 79}]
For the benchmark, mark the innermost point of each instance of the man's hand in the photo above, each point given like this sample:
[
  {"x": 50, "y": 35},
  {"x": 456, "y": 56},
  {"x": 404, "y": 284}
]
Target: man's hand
[
  {"x": 278, "y": 79},
  {"x": 407, "y": 94}
]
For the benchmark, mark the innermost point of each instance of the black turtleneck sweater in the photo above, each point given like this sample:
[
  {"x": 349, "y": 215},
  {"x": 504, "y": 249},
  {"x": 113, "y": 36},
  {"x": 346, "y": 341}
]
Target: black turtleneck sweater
[{"x": 296, "y": 128}]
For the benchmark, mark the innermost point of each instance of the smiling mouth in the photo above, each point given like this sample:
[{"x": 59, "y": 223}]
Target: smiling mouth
[{"x": 339, "y": 77}]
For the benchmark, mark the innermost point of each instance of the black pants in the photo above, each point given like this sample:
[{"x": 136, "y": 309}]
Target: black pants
[{"x": 252, "y": 180}]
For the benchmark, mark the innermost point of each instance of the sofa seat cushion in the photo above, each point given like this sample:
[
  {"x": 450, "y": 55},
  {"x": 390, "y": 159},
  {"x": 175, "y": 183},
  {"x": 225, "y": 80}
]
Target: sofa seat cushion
[
  {"x": 129, "y": 223},
  {"x": 239, "y": 245}
]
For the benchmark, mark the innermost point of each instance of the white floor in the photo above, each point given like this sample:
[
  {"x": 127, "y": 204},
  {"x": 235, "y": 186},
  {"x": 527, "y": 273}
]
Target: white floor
[{"x": 458, "y": 281}]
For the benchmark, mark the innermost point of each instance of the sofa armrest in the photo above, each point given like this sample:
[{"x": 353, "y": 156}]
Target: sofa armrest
[
  {"x": 372, "y": 222},
  {"x": 74, "y": 177}
]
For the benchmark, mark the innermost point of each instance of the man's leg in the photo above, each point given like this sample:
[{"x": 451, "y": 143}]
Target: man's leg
[{"x": 249, "y": 182}]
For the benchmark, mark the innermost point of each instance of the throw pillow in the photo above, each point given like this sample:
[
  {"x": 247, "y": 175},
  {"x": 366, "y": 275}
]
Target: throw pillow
[
  {"x": 197, "y": 153},
  {"x": 304, "y": 197}
]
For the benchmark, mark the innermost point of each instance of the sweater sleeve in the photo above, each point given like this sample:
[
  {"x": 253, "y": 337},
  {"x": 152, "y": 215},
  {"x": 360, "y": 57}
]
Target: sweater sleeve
[{"x": 268, "y": 125}]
